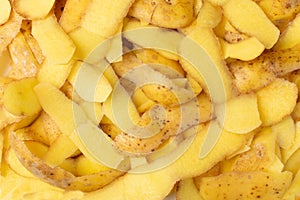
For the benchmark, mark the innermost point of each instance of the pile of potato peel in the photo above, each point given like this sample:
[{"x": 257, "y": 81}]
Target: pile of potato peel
[{"x": 255, "y": 47}]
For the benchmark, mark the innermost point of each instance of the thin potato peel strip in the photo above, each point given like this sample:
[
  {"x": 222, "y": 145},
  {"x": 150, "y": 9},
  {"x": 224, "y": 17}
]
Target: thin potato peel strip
[
  {"x": 57, "y": 176},
  {"x": 54, "y": 42},
  {"x": 182, "y": 168},
  {"x": 72, "y": 13},
  {"x": 24, "y": 62},
  {"x": 9, "y": 30},
  {"x": 248, "y": 17}
]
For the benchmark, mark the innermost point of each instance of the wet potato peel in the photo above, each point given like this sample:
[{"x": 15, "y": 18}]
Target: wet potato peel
[{"x": 255, "y": 48}]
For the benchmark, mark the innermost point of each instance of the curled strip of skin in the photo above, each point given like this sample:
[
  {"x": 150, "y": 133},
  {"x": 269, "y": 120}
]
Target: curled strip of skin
[
  {"x": 164, "y": 13},
  {"x": 57, "y": 176},
  {"x": 8, "y": 118},
  {"x": 178, "y": 119},
  {"x": 270, "y": 64},
  {"x": 287, "y": 59}
]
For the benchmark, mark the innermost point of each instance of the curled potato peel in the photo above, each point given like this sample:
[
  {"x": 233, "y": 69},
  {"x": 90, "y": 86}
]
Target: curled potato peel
[
  {"x": 57, "y": 176},
  {"x": 209, "y": 15},
  {"x": 31, "y": 41},
  {"x": 150, "y": 56},
  {"x": 159, "y": 87},
  {"x": 157, "y": 184},
  {"x": 43, "y": 130},
  {"x": 257, "y": 73},
  {"x": 168, "y": 14},
  {"x": 146, "y": 56},
  {"x": 175, "y": 123},
  {"x": 206, "y": 38},
  {"x": 280, "y": 12},
  {"x": 176, "y": 120},
  {"x": 14, "y": 164},
  {"x": 24, "y": 62},
  {"x": 72, "y": 13},
  {"x": 9, "y": 30},
  {"x": 88, "y": 129},
  {"x": 187, "y": 165},
  {"x": 7, "y": 118},
  {"x": 252, "y": 21},
  {"x": 283, "y": 61},
  {"x": 165, "y": 77}
]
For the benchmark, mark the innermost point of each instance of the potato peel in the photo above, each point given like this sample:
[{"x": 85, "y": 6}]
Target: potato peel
[
  {"x": 261, "y": 185},
  {"x": 98, "y": 12},
  {"x": 71, "y": 15},
  {"x": 188, "y": 165},
  {"x": 174, "y": 124},
  {"x": 57, "y": 176},
  {"x": 56, "y": 45},
  {"x": 171, "y": 14},
  {"x": 9, "y": 30},
  {"x": 24, "y": 63},
  {"x": 7, "y": 118},
  {"x": 65, "y": 145},
  {"x": 33, "y": 10},
  {"x": 248, "y": 18}
]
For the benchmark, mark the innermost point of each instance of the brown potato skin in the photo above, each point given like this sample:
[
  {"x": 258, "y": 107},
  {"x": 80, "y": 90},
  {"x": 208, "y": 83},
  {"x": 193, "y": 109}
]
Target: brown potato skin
[{"x": 57, "y": 176}]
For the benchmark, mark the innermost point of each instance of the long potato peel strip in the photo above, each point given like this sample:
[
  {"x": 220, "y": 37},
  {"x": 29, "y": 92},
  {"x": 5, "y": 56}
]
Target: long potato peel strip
[
  {"x": 9, "y": 30},
  {"x": 186, "y": 166},
  {"x": 57, "y": 176}
]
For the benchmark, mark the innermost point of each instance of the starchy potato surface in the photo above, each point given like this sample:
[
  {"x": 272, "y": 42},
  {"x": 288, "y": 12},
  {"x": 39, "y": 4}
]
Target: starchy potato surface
[{"x": 150, "y": 99}]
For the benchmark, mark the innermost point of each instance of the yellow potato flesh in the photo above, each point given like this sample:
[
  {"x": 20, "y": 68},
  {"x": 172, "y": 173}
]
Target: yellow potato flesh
[
  {"x": 59, "y": 150},
  {"x": 247, "y": 185},
  {"x": 287, "y": 38},
  {"x": 33, "y": 9},
  {"x": 186, "y": 189},
  {"x": 186, "y": 166},
  {"x": 54, "y": 42},
  {"x": 5, "y": 11},
  {"x": 55, "y": 74},
  {"x": 98, "y": 12},
  {"x": 20, "y": 99},
  {"x": 71, "y": 15},
  {"x": 246, "y": 50},
  {"x": 209, "y": 15},
  {"x": 285, "y": 131},
  {"x": 85, "y": 41},
  {"x": 238, "y": 112},
  {"x": 248, "y": 17},
  {"x": 256, "y": 97},
  {"x": 280, "y": 94}
]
